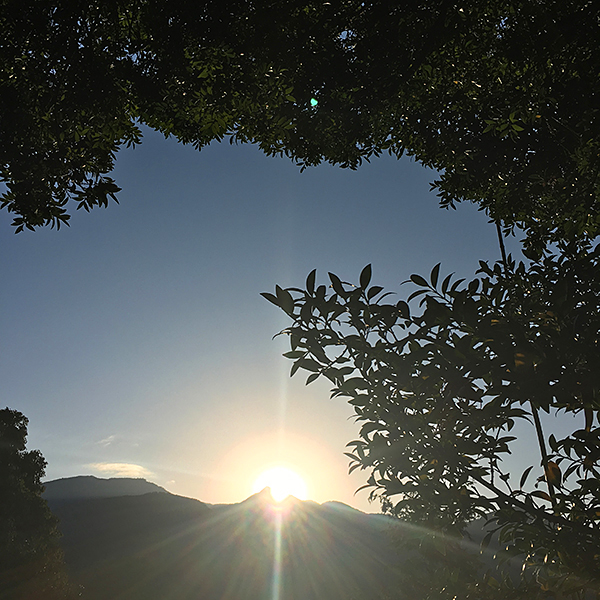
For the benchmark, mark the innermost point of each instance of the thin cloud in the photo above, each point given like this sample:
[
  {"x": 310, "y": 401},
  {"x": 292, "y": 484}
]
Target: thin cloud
[
  {"x": 107, "y": 441},
  {"x": 113, "y": 440},
  {"x": 122, "y": 470}
]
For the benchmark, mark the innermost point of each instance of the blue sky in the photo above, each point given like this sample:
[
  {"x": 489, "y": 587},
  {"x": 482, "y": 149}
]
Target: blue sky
[{"x": 136, "y": 341}]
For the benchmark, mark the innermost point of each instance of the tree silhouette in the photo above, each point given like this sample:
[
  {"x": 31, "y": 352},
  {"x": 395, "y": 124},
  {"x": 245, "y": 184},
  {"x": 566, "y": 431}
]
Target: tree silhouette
[
  {"x": 31, "y": 560},
  {"x": 438, "y": 388}
]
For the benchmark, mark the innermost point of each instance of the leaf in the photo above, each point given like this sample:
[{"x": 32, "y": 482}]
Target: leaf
[
  {"x": 456, "y": 284},
  {"x": 376, "y": 289},
  {"x": 309, "y": 364},
  {"x": 435, "y": 273},
  {"x": 336, "y": 283},
  {"x": 419, "y": 280},
  {"x": 404, "y": 309},
  {"x": 473, "y": 287},
  {"x": 553, "y": 473},
  {"x": 312, "y": 377},
  {"x": 484, "y": 268},
  {"x": 310, "y": 282},
  {"x": 362, "y": 487},
  {"x": 270, "y": 297},
  {"x": 365, "y": 277},
  {"x": 416, "y": 294},
  {"x": 386, "y": 294},
  {"x": 525, "y": 476},
  {"x": 446, "y": 283},
  {"x": 285, "y": 300}
]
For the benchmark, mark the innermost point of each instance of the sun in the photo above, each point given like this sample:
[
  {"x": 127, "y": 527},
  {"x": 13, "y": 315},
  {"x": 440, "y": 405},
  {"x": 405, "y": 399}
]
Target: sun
[{"x": 283, "y": 483}]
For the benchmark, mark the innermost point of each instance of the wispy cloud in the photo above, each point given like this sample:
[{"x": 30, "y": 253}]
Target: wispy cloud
[
  {"x": 107, "y": 441},
  {"x": 113, "y": 440},
  {"x": 122, "y": 470}
]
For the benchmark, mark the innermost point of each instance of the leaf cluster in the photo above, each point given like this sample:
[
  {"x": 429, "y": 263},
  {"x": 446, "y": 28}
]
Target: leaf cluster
[{"x": 438, "y": 382}]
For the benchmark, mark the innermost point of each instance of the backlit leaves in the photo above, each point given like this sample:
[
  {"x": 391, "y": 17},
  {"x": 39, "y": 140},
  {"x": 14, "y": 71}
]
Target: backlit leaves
[{"x": 437, "y": 383}]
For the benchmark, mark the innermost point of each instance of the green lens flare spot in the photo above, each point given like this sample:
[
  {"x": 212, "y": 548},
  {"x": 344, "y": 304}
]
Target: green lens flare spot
[{"x": 314, "y": 102}]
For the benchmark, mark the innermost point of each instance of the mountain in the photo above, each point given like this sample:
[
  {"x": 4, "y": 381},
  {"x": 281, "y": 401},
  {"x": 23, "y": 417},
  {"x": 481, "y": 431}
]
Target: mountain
[
  {"x": 158, "y": 545},
  {"x": 88, "y": 486}
]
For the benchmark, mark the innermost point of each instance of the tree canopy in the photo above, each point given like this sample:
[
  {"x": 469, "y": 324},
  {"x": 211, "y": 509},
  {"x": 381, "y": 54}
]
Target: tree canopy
[
  {"x": 501, "y": 97},
  {"x": 31, "y": 560},
  {"x": 78, "y": 78}
]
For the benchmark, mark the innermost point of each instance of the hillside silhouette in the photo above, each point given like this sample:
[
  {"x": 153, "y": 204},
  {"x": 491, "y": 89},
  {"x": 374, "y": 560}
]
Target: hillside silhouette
[
  {"x": 158, "y": 545},
  {"x": 88, "y": 486}
]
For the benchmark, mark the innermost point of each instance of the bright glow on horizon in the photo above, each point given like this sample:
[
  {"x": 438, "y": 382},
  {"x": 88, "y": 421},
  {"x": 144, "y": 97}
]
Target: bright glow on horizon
[{"x": 283, "y": 483}]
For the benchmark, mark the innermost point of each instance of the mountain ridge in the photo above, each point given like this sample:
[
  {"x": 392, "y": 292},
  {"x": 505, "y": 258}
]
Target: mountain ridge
[
  {"x": 89, "y": 486},
  {"x": 157, "y": 545}
]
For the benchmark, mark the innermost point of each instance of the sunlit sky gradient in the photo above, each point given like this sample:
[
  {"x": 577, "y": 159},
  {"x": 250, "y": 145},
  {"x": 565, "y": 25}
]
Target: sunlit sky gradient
[{"x": 137, "y": 343}]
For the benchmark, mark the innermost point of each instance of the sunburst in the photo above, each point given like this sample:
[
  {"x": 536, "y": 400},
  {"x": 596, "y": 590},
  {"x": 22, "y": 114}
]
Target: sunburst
[{"x": 283, "y": 483}]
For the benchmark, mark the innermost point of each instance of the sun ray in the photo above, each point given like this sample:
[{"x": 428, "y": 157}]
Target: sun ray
[{"x": 277, "y": 558}]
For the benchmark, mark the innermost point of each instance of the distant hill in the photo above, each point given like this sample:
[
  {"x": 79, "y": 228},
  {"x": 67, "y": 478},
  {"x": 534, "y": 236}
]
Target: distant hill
[
  {"x": 158, "y": 545},
  {"x": 88, "y": 486}
]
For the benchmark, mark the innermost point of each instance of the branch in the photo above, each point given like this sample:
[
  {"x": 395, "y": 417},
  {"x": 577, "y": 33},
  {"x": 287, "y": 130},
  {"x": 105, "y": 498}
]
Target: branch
[
  {"x": 502, "y": 248},
  {"x": 543, "y": 451}
]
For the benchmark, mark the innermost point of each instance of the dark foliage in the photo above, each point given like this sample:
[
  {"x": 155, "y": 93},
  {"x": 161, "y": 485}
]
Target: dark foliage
[
  {"x": 77, "y": 78},
  {"x": 31, "y": 560},
  {"x": 500, "y": 96}
]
